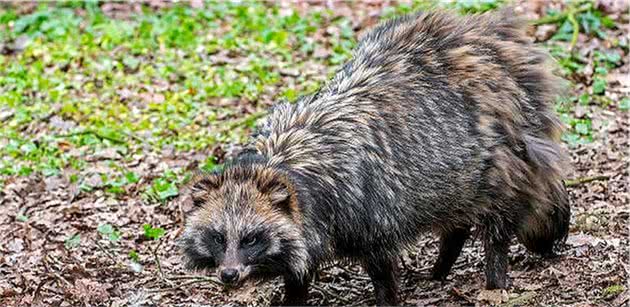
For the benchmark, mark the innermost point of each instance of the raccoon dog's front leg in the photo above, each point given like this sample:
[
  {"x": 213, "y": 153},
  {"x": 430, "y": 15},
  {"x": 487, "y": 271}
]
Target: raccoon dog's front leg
[
  {"x": 296, "y": 290},
  {"x": 384, "y": 275}
]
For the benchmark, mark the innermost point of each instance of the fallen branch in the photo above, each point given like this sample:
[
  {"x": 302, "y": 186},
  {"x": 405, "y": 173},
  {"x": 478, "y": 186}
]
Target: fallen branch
[
  {"x": 196, "y": 278},
  {"x": 107, "y": 253},
  {"x": 190, "y": 280},
  {"x": 157, "y": 258},
  {"x": 579, "y": 181},
  {"x": 356, "y": 275},
  {"x": 158, "y": 264},
  {"x": 461, "y": 295},
  {"x": 364, "y": 301},
  {"x": 331, "y": 293},
  {"x": 182, "y": 219},
  {"x": 198, "y": 281}
]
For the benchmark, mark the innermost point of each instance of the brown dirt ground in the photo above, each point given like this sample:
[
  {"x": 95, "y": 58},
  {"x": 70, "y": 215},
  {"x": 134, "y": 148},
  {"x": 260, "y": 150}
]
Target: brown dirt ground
[{"x": 36, "y": 268}]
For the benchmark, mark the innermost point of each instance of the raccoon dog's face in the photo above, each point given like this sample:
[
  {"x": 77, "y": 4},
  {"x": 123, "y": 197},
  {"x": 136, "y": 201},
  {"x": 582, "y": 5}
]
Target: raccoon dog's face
[{"x": 246, "y": 225}]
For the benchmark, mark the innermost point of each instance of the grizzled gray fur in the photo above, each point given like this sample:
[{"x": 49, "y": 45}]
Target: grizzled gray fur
[{"x": 438, "y": 123}]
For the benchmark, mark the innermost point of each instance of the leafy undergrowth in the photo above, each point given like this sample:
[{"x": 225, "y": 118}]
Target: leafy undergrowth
[{"x": 107, "y": 108}]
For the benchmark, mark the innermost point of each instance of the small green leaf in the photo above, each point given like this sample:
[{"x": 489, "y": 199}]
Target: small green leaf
[
  {"x": 73, "y": 241},
  {"x": 290, "y": 94},
  {"x": 599, "y": 86},
  {"x": 109, "y": 231},
  {"x": 114, "y": 236},
  {"x": 131, "y": 62},
  {"x": 608, "y": 22},
  {"x": 133, "y": 255},
  {"x": 571, "y": 138},
  {"x": 613, "y": 58},
  {"x": 624, "y": 104},
  {"x": 25, "y": 171},
  {"x": 210, "y": 165},
  {"x": 165, "y": 189},
  {"x": 582, "y": 128},
  {"x": 153, "y": 233},
  {"x": 131, "y": 177},
  {"x": 601, "y": 70},
  {"x": 584, "y": 99},
  {"x": 612, "y": 291},
  {"x": 105, "y": 229},
  {"x": 565, "y": 31},
  {"x": 21, "y": 218},
  {"x": 111, "y": 135}
]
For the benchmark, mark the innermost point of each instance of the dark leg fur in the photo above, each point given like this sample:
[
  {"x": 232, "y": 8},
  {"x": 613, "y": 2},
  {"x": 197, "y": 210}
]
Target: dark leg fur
[
  {"x": 451, "y": 243},
  {"x": 296, "y": 291},
  {"x": 384, "y": 275},
  {"x": 496, "y": 247}
]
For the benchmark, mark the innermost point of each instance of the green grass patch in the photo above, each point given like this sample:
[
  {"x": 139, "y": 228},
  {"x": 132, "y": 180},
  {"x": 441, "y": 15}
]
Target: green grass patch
[{"x": 75, "y": 83}]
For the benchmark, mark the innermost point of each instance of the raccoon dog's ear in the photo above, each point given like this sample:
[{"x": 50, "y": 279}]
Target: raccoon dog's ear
[
  {"x": 200, "y": 186},
  {"x": 279, "y": 191},
  {"x": 279, "y": 195}
]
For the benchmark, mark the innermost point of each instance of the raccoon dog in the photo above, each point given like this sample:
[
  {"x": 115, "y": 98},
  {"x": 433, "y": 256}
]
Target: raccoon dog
[{"x": 438, "y": 123}]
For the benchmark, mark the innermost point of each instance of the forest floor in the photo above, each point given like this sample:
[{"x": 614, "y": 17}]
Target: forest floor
[{"x": 106, "y": 108}]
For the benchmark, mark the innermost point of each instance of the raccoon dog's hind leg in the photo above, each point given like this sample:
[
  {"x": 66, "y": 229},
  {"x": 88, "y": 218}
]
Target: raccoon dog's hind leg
[
  {"x": 384, "y": 275},
  {"x": 451, "y": 244},
  {"x": 496, "y": 245}
]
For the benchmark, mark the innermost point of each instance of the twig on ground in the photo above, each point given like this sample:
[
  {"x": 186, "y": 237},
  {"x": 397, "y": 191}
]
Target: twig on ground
[
  {"x": 107, "y": 253},
  {"x": 158, "y": 264},
  {"x": 191, "y": 279},
  {"x": 356, "y": 275},
  {"x": 158, "y": 290},
  {"x": 578, "y": 181},
  {"x": 157, "y": 258},
  {"x": 46, "y": 288},
  {"x": 331, "y": 293},
  {"x": 39, "y": 287},
  {"x": 195, "y": 277},
  {"x": 182, "y": 219},
  {"x": 201, "y": 280},
  {"x": 61, "y": 278},
  {"x": 179, "y": 288},
  {"x": 458, "y": 293},
  {"x": 364, "y": 301},
  {"x": 56, "y": 276}
]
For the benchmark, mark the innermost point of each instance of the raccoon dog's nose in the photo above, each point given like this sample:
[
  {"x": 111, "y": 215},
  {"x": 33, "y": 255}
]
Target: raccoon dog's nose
[{"x": 229, "y": 276}]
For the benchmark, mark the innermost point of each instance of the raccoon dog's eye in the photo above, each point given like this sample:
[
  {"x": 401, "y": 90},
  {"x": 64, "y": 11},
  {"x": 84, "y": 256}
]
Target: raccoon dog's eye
[
  {"x": 250, "y": 241},
  {"x": 219, "y": 239}
]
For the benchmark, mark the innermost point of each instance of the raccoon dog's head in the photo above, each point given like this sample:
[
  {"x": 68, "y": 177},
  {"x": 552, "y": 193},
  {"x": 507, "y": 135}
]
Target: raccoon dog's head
[{"x": 246, "y": 225}]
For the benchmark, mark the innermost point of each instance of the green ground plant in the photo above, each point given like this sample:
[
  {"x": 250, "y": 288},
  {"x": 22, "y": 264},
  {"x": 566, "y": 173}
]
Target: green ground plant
[{"x": 75, "y": 83}]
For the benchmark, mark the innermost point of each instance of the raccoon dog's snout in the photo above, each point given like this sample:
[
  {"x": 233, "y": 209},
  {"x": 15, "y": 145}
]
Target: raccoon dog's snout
[{"x": 229, "y": 276}]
